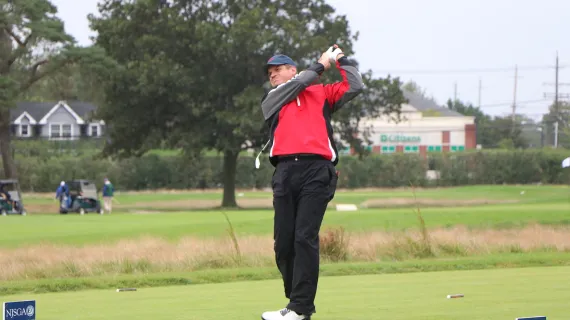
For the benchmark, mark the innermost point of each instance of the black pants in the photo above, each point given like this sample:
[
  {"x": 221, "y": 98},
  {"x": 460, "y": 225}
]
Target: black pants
[{"x": 302, "y": 190}]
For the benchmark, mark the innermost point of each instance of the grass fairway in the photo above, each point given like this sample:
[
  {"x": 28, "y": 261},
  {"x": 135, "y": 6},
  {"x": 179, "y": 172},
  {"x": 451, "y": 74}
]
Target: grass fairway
[
  {"x": 542, "y": 204},
  {"x": 489, "y": 294},
  {"x": 181, "y": 200}
]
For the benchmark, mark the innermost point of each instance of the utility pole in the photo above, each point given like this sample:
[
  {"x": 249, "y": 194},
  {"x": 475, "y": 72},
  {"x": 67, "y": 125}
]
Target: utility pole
[
  {"x": 541, "y": 129},
  {"x": 557, "y": 96},
  {"x": 455, "y": 92},
  {"x": 515, "y": 94},
  {"x": 479, "y": 98},
  {"x": 514, "y": 108},
  {"x": 556, "y": 134},
  {"x": 556, "y": 109}
]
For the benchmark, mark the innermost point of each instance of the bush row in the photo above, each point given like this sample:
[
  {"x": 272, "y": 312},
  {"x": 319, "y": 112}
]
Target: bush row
[{"x": 394, "y": 170}]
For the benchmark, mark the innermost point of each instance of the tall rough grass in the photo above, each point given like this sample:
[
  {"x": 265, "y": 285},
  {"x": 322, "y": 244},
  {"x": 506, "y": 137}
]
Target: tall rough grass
[
  {"x": 148, "y": 254},
  {"x": 334, "y": 245}
]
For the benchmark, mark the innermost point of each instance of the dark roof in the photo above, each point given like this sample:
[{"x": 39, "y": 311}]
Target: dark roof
[
  {"x": 423, "y": 104},
  {"x": 39, "y": 109},
  {"x": 7, "y": 181},
  {"x": 36, "y": 109},
  {"x": 83, "y": 109}
]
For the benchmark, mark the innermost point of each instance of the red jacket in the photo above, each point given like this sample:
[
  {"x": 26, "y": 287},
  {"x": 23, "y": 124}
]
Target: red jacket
[{"x": 299, "y": 114}]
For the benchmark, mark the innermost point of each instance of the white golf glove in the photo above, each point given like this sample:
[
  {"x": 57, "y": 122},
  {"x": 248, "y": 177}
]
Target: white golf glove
[{"x": 333, "y": 53}]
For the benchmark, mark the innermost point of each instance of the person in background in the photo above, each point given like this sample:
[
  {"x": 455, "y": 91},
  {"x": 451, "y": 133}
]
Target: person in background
[
  {"x": 5, "y": 195},
  {"x": 108, "y": 191},
  {"x": 62, "y": 194}
]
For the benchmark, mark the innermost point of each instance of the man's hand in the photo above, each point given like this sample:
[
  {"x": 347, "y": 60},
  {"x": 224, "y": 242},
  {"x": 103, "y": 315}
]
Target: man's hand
[
  {"x": 334, "y": 53},
  {"x": 324, "y": 60}
]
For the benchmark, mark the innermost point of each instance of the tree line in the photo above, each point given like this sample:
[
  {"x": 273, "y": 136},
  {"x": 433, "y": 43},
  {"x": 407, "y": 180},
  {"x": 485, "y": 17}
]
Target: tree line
[
  {"x": 185, "y": 74},
  {"x": 180, "y": 74}
]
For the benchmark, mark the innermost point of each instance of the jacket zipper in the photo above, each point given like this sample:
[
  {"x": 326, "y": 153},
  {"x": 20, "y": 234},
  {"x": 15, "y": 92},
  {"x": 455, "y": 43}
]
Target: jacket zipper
[{"x": 257, "y": 162}]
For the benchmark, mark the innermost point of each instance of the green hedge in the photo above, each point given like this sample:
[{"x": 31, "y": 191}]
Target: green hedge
[{"x": 153, "y": 171}]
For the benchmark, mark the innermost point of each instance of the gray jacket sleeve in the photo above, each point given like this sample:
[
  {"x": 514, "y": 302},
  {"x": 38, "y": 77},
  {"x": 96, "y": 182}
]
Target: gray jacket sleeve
[
  {"x": 340, "y": 93},
  {"x": 284, "y": 93}
]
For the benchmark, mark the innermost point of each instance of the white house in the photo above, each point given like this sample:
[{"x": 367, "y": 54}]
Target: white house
[{"x": 55, "y": 120}]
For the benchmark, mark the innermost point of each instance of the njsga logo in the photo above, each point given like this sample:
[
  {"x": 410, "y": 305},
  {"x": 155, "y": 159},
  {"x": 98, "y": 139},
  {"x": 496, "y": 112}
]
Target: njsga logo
[
  {"x": 19, "y": 312},
  {"x": 30, "y": 311}
]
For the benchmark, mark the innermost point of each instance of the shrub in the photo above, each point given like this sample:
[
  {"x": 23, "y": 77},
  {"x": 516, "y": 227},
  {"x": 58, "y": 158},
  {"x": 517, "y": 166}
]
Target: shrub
[{"x": 42, "y": 173}]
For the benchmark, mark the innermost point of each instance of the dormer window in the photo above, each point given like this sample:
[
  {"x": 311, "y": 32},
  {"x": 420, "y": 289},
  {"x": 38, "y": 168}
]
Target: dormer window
[{"x": 25, "y": 130}]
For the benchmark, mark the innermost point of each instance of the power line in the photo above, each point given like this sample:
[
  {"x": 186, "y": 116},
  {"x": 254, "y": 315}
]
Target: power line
[
  {"x": 504, "y": 104},
  {"x": 421, "y": 130},
  {"x": 472, "y": 70}
]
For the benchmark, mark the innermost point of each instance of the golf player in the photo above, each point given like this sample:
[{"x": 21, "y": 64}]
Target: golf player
[
  {"x": 298, "y": 112},
  {"x": 108, "y": 192}
]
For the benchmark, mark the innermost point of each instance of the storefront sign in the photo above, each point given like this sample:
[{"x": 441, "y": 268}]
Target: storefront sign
[{"x": 399, "y": 138}]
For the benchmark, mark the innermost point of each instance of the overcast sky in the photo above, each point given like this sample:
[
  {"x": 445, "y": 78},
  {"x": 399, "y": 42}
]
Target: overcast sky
[{"x": 438, "y": 43}]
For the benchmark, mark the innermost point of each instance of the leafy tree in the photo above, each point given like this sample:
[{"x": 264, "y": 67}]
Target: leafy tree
[
  {"x": 33, "y": 45},
  {"x": 505, "y": 134},
  {"x": 71, "y": 82},
  {"x": 482, "y": 121},
  {"x": 192, "y": 72},
  {"x": 493, "y": 132},
  {"x": 414, "y": 87}
]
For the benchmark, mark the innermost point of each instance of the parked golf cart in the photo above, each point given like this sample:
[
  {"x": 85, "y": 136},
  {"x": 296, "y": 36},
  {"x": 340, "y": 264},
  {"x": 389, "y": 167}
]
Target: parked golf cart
[
  {"x": 84, "y": 198},
  {"x": 14, "y": 204}
]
